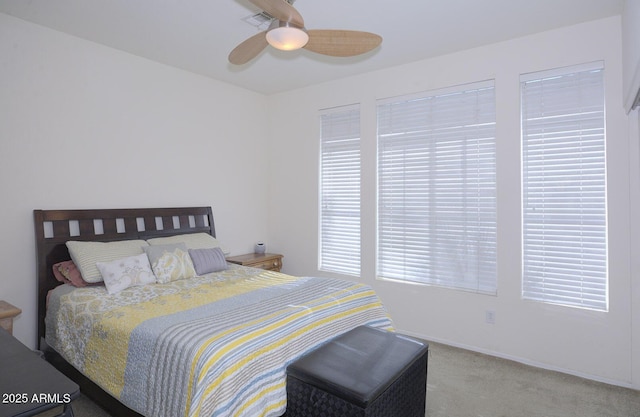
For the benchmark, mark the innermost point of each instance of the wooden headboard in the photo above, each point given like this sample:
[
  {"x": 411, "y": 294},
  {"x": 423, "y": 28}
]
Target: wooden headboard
[{"x": 55, "y": 227}]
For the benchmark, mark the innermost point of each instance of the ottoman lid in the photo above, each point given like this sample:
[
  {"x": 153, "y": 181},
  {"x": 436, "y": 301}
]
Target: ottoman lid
[{"x": 360, "y": 364}]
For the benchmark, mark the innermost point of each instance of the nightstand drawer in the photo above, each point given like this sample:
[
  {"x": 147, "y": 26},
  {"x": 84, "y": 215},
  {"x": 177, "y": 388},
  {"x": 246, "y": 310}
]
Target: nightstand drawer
[{"x": 272, "y": 264}]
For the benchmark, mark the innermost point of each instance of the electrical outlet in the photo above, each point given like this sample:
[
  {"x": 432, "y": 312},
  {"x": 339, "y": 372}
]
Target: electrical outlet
[{"x": 490, "y": 316}]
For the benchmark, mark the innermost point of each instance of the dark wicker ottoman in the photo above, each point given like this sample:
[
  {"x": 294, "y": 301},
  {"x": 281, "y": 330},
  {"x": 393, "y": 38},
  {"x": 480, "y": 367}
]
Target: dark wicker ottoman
[{"x": 366, "y": 372}]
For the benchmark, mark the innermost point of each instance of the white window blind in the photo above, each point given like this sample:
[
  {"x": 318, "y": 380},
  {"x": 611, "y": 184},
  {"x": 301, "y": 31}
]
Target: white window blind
[
  {"x": 340, "y": 191},
  {"x": 564, "y": 193},
  {"x": 437, "y": 188}
]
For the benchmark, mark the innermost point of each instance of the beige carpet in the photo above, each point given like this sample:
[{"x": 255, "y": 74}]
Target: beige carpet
[
  {"x": 467, "y": 384},
  {"x": 464, "y": 384}
]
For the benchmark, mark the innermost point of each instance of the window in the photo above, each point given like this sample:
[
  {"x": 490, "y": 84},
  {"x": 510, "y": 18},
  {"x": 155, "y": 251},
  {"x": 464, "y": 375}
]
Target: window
[
  {"x": 340, "y": 191},
  {"x": 563, "y": 187},
  {"x": 437, "y": 188}
]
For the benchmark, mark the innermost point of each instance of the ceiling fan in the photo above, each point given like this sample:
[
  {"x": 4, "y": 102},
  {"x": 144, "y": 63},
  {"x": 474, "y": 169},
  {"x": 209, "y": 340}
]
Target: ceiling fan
[{"x": 287, "y": 33}]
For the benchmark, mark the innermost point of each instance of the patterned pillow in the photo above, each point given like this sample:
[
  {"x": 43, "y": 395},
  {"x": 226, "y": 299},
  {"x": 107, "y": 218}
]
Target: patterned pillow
[
  {"x": 68, "y": 273},
  {"x": 86, "y": 254},
  {"x": 126, "y": 272},
  {"x": 208, "y": 260},
  {"x": 170, "y": 262}
]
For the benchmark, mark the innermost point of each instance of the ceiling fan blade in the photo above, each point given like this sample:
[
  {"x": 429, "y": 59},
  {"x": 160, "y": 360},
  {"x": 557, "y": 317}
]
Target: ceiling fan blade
[
  {"x": 248, "y": 49},
  {"x": 342, "y": 43},
  {"x": 281, "y": 10}
]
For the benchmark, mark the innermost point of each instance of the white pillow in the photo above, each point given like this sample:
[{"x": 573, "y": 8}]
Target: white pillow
[
  {"x": 86, "y": 254},
  {"x": 126, "y": 272},
  {"x": 192, "y": 240}
]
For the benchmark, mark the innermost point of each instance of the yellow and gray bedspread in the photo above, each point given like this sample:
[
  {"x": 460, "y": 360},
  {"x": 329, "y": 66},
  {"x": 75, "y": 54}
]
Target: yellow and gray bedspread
[{"x": 216, "y": 345}]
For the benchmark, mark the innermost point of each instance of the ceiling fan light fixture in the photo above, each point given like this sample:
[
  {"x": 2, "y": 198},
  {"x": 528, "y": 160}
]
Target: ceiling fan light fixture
[
  {"x": 287, "y": 32},
  {"x": 286, "y": 36}
]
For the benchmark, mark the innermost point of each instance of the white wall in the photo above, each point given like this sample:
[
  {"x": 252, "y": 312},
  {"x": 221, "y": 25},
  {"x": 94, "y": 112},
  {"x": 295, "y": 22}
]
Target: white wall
[
  {"x": 593, "y": 344},
  {"x": 631, "y": 51},
  {"x": 85, "y": 126},
  {"x": 634, "y": 159}
]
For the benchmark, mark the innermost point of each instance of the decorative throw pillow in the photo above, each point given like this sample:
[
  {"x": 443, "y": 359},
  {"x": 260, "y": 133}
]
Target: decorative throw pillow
[
  {"x": 170, "y": 262},
  {"x": 126, "y": 272},
  {"x": 86, "y": 254},
  {"x": 209, "y": 260},
  {"x": 67, "y": 272},
  {"x": 192, "y": 240}
]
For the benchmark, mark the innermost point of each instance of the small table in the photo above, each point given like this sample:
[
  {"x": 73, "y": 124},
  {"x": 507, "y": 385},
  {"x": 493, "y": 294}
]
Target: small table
[
  {"x": 269, "y": 261},
  {"x": 29, "y": 385},
  {"x": 7, "y": 313}
]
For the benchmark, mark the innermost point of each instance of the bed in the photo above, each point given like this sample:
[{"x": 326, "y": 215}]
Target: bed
[{"x": 213, "y": 343}]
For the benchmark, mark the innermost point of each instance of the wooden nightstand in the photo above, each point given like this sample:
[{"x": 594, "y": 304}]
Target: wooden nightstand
[
  {"x": 269, "y": 261},
  {"x": 7, "y": 313}
]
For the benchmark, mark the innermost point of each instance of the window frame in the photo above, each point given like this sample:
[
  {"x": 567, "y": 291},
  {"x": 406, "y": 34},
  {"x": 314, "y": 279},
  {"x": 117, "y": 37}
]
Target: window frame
[
  {"x": 548, "y": 285},
  {"x": 480, "y": 285},
  {"x": 343, "y": 254}
]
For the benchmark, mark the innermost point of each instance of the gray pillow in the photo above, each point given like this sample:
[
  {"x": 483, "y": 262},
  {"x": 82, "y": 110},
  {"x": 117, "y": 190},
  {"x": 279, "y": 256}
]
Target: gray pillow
[{"x": 208, "y": 260}]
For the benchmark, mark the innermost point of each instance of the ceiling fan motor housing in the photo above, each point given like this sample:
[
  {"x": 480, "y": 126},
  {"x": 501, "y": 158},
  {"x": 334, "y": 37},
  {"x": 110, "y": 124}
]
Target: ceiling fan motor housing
[{"x": 286, "y": 36}]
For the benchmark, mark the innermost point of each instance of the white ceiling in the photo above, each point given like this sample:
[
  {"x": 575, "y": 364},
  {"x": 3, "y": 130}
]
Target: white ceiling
[{"x": 197, "y": 35}]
